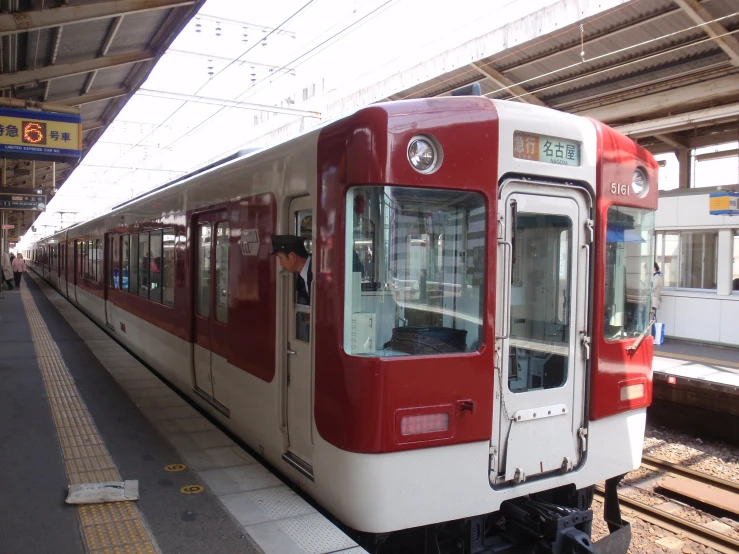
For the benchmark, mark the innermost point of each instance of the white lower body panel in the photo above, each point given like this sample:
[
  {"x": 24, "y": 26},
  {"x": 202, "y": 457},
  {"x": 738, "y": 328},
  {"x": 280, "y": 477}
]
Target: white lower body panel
[
  {"x": 386, "y": 492},
  {"x": 370, "y": 492}
]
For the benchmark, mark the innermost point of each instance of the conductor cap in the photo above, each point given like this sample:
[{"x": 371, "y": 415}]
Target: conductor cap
[{"x": 289, "y": 243}]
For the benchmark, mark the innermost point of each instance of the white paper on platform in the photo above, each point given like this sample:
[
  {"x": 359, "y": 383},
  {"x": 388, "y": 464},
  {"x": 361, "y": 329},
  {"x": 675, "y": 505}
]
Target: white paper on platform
[{"x": 109, "y": 491}]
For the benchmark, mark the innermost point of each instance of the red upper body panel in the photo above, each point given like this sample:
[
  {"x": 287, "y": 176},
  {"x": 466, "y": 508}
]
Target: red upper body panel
[
  {"x": 356, "y": 397},
  {"x": 613, "y": 366}
]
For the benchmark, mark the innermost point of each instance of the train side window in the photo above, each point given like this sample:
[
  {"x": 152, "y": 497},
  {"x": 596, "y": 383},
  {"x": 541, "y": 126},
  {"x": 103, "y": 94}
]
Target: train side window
[
  {"x": 203, "y": 303},
  {"x": 155, "y": 266},
  {"x": 84, "y": 259},
  {"x": 221, "y": 277},
  {"x": 98, "y": 260},
  {"x": 168, "y": 261},
  {"x": 109, "y": 261},
  {"x": 125, "y": 256},
  {"x": 144, "y": 265},
  {"x": 92, "y": 254},
  {"x": 116, "y": 262},
  {"x": 133, "y": 268}
]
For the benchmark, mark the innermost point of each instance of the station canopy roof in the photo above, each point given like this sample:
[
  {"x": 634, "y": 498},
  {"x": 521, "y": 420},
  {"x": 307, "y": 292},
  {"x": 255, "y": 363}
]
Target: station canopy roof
[{"x": 77, "y": 56}]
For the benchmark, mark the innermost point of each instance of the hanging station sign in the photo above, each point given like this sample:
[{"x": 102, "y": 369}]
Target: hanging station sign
[
  {"x": 22, "y": 201},
  {"x": 34, "y": 135}
]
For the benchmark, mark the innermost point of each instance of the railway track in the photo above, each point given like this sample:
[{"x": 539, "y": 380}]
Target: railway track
[{"x": 687, "y": 529}]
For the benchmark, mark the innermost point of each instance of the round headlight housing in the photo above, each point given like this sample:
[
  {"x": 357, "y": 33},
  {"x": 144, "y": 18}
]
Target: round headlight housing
[
  {"x": 640, "y": 182},
  {"x": 424, "y": 154}
]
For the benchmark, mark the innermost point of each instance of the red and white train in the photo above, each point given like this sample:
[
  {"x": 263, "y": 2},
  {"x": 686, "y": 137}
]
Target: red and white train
[{"x": 463, "y": 376}]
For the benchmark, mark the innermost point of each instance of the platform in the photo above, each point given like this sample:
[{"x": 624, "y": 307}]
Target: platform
[
  {"x": 714, "y": 364},
  {"x": 75, "y": 407},
  {"x": 696, "y": 389}
]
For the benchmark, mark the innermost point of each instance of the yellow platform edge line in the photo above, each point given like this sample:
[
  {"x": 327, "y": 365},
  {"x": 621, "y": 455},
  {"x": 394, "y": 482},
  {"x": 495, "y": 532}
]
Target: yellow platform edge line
[
  {"x": 110, "y": 527},
  {"x": 688, "y": 358}
]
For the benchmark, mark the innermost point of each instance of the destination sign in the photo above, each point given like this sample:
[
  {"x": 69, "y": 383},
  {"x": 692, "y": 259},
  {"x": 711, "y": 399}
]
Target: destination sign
[
  {"x": 34, "y": 135},
  {"x": 540, "y": 148},
  {"x": 11, "y": 201}
]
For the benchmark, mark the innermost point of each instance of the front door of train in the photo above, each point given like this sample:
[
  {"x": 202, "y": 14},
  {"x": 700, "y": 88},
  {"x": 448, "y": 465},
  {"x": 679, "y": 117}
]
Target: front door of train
[
  {"x": 210, "y": 237},
  {"x": 299, "y": 351},
  {"x": 542, "y": 330}
]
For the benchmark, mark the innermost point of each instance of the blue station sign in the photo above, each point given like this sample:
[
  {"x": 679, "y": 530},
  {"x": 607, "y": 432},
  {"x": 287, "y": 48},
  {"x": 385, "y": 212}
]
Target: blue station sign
[
  {"x": 724, "y": 203},
  {"x": 35, "y": 135}
]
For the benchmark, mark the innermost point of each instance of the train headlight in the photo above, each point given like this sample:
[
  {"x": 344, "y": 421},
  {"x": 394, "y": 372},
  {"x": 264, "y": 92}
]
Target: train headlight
[
  {"x": 423, "y": 154},
  {"x": 640, "y": 182}
]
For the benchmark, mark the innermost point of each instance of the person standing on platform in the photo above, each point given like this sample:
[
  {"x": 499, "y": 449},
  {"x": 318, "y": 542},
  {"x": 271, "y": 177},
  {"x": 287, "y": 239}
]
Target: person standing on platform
[
  {"x": 657, "y": 283},
  {"x": 7, "y": 268},
  {"x": 19, "y": 266},
  {"x": 293, "y": 256}
]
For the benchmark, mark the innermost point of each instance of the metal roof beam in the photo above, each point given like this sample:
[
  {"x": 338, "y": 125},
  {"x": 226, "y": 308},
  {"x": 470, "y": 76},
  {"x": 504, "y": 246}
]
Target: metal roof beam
[
  {"x": 717, "y": 155},
  {"x": 226, "y": 103},
  {"x": 19, "y": 22},
  {"x": 670, "y": 100},
  {"x": 701, "y": 16},
  {"x": 712, "y": 139},
  {"x": 94, "y": 97},
  {"x": 93, "y": 125},
  {"x": 672, "y": 140},
  {"x": 76, "y": 68},
  {"x": 112, "y": 32},
  {"x": 501, "y": 80},
  {"x": 610, "y": 35},
  {"x": 673, "y": 123}
]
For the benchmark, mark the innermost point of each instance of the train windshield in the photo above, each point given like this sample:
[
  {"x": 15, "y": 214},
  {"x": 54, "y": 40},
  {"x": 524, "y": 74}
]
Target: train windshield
[
  {"x": 629, "y": 269},
  {"x": 415, "y": 271}
]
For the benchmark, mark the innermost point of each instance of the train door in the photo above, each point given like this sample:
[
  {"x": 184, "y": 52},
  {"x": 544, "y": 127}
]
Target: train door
[
  {"x": 76, "y": 267},
  {"x": 542, "y": 345},
  {"x": 108, "y": 278},
  {"x": 299, "y": 349},
  {"x": 210, "y": 237}
]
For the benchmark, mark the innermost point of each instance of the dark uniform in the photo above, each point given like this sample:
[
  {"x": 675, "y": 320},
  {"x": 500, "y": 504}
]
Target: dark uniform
[{"x": 294, "y": 244}]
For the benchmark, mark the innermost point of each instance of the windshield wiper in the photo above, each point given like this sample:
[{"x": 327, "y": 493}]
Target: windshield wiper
[{"x": 635, "y": 345}]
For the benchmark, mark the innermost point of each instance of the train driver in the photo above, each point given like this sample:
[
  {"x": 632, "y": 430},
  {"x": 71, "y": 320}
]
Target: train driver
[{"x": 293, "y": 256}]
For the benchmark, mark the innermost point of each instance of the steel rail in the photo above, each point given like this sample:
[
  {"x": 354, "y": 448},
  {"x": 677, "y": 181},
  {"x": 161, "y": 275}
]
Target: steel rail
[
  {"x": 652, "y": 463},
  {"x": 693, "y": 531}
]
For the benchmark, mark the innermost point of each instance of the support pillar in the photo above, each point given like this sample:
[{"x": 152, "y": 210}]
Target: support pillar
[
  {"x": 683, "y": 158},
  {"x": 724, "y": 269}
]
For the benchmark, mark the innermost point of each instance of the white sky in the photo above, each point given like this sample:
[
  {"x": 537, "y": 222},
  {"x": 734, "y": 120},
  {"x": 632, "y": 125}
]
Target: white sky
[{"x": 338, "y": 46}]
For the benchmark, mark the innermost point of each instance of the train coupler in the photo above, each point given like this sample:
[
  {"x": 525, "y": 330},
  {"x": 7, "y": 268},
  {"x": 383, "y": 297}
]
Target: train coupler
[{"x": 559, "y": 529}]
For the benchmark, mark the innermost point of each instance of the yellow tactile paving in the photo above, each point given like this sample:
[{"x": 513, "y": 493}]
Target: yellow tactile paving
[
  {"x": 144, "y": 547},
  {"x": 83, "y": 451},
  {"x": 113, "y": 528},
  {"x": 685, "y": 357},
  {"x": 97, "y": 514},
  {"x": 79, "y": 440},
  {"x": 117, "y": 532},
  {"x": 99, "y": 476}
]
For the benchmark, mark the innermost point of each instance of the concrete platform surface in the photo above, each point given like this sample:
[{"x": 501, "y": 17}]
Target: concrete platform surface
[{"x": 76, "y": 407}]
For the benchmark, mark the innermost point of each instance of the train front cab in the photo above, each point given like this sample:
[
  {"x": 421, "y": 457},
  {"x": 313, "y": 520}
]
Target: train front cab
[{"x": 485, "y": 322}]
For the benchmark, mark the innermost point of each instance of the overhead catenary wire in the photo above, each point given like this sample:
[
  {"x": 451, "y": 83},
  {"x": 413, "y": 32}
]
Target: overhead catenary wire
[
  {"x": 278, "y": 27},
  {"x": 281, "y": 69},
  {"x": 292, "y": 64}
]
